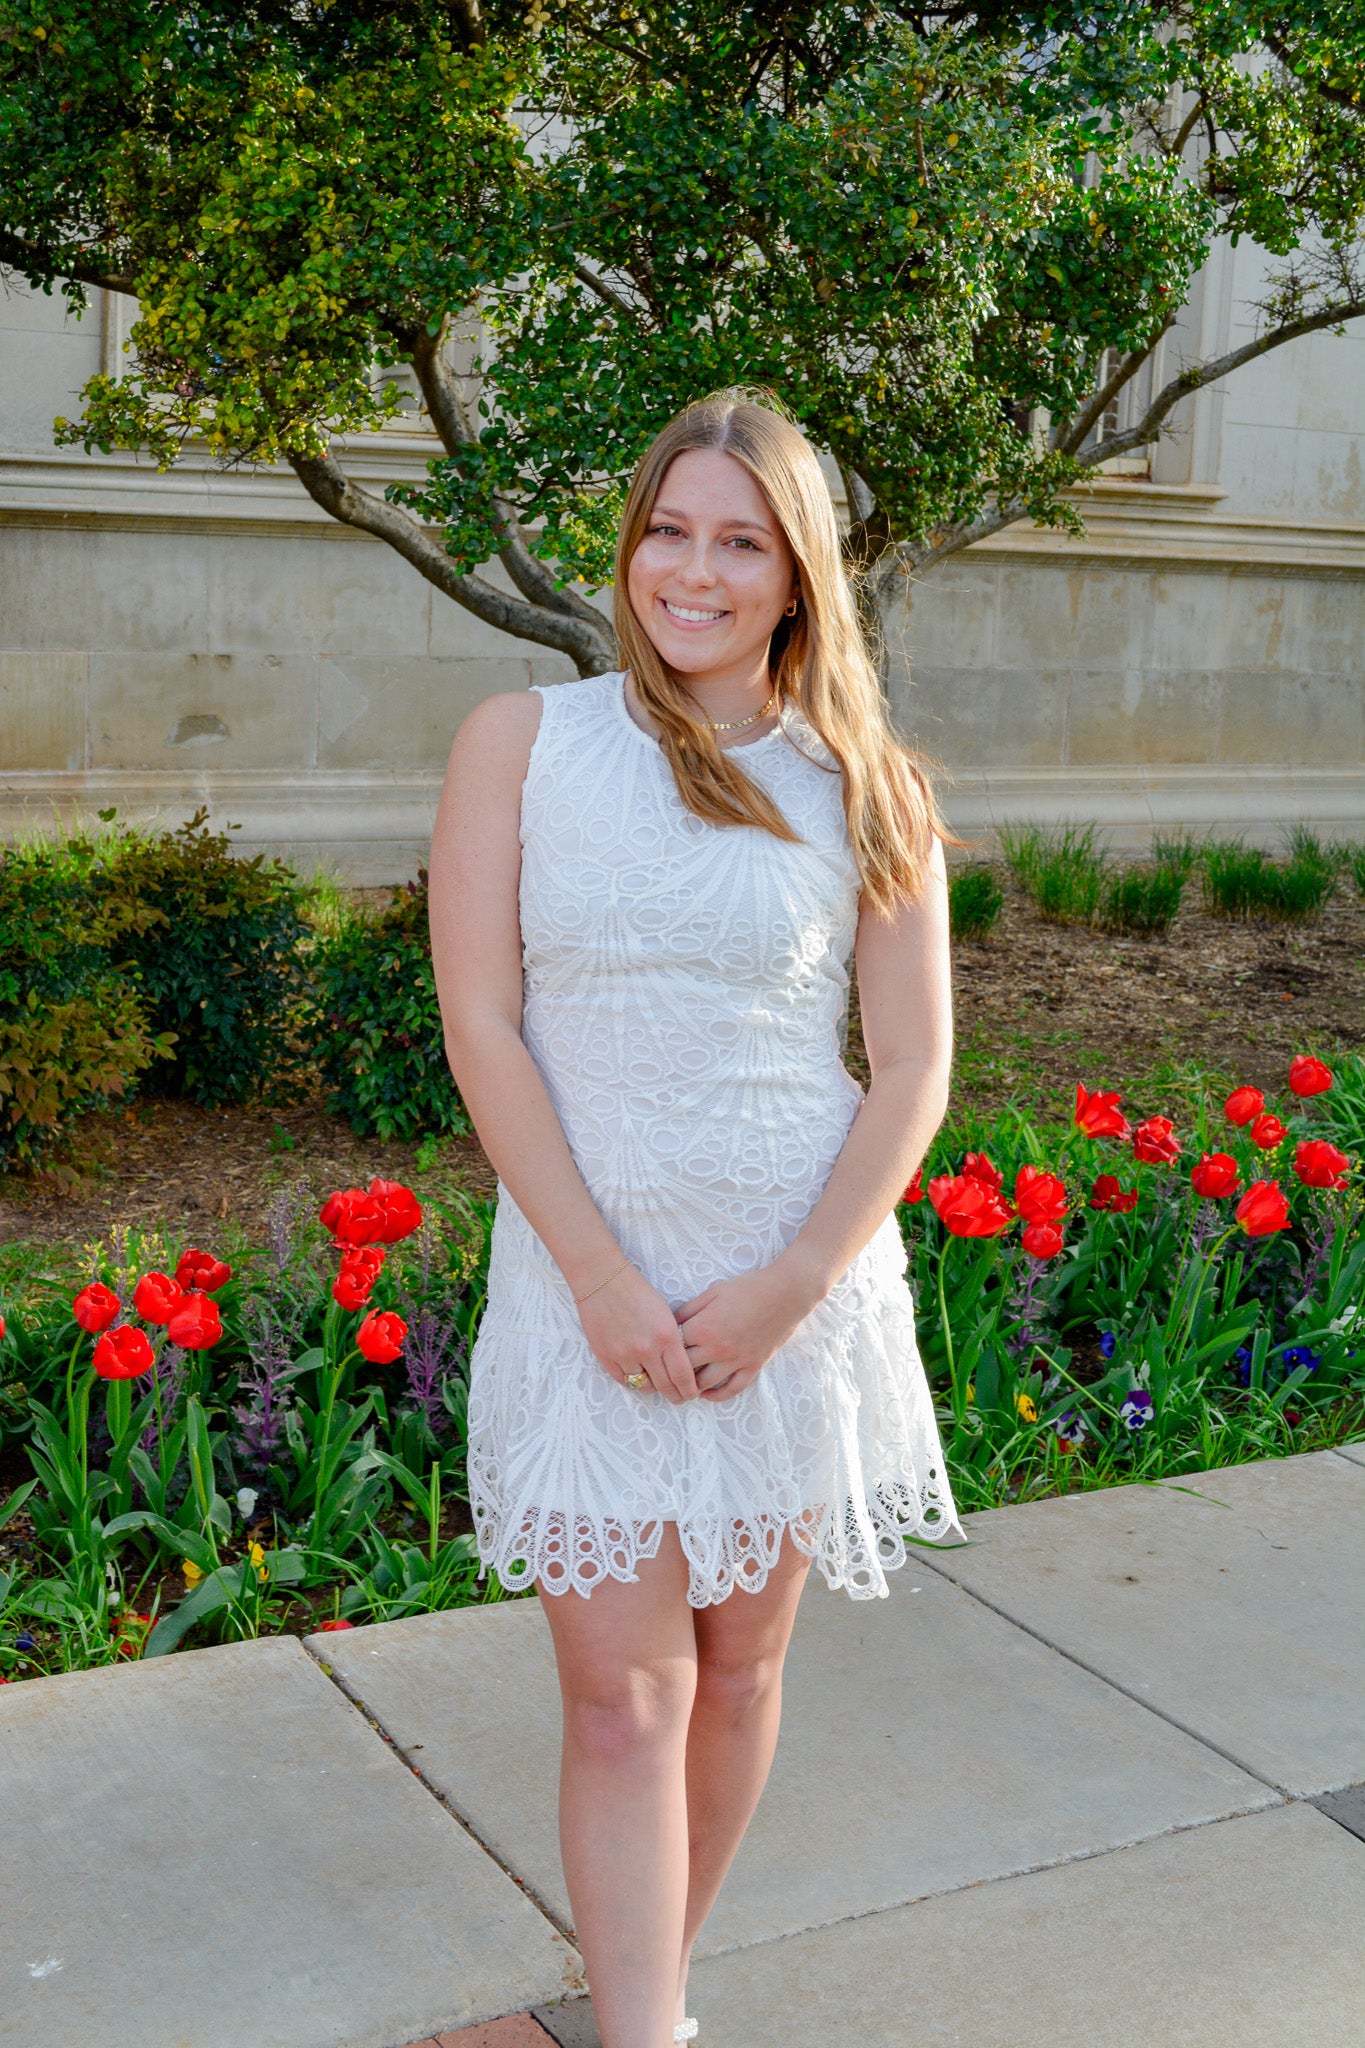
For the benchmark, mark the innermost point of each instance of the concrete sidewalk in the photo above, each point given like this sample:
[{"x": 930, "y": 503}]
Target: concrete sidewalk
[{"x": 1093, "y": 1779}]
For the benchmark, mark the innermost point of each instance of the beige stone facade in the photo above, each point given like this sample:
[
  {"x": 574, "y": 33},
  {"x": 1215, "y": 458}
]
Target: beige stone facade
[{"x": 208, "y": 637}]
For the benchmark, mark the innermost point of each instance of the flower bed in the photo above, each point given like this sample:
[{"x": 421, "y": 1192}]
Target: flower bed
[
  {"x": 1169, "y": 1304},
  {"x": 204, "y": 1450}
]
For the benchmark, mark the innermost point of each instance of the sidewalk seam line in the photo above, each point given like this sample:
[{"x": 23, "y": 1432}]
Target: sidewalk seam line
[
  {"x": 329, "y": 1671},
  {"x": 1289, "y": 1798},
  {"x": 1000, "y": 1877}
]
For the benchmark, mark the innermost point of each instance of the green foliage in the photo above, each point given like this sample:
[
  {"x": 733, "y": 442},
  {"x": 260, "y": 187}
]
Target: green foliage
[
  {"x": 75, "y": 1032},
  {"x": 129, "y": 958},
  {"x": 975, "y": 900},
  {"x": 219, "y": 958},
  {"x": 1245, "y": 882},
  {"x": 1141, "y": 903},
  {"x": 926, "y": 232},
  {"x": 1063, "y": 870},
  {"x": 1342, "y": 1107},
  {"x": 377, "y": 1032}
]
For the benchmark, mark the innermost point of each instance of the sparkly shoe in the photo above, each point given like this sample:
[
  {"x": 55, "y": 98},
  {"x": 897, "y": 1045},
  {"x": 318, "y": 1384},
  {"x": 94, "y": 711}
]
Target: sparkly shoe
[{"x": 686, "y": 2030}]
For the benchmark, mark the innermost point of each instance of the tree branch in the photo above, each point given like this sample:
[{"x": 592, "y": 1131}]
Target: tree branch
[
  {"x": 912, "y": 555},
  {"x": 328, "y": 486},
  {"x": 607, "y": 293},
  {"x": 44, "y": 265},
  {"x": 1199, "y": 374},
  {"x": 1338, "y": 95},
  {"x": 441, "y": 396},
  {"x": 1070, "y": 439}
]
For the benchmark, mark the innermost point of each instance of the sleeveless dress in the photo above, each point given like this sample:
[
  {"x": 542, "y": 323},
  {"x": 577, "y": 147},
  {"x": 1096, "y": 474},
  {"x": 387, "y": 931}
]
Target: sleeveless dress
[{"x": 686, "y": 988}]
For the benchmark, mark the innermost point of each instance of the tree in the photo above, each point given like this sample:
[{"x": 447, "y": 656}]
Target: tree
[{"x": 948, "y": 240}]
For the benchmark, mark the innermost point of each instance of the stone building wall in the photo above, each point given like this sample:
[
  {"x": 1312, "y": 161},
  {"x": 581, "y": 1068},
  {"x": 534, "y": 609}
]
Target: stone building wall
[{"x": 209, "y": 637}]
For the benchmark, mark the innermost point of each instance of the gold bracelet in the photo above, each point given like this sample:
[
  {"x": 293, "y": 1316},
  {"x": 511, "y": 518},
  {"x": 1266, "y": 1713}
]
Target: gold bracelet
[{"x": 602, "y": 1283}]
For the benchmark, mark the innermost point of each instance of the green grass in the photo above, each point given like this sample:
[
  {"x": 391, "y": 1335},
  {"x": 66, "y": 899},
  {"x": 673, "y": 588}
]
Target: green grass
[
  {"x": 1177, "y": 852},
  {"x": 1243, "y": 881},
  {"x": 975, "y": 900},
  {"x": 1063, "y": 869},
  {"x": 1143, "y": 904}
]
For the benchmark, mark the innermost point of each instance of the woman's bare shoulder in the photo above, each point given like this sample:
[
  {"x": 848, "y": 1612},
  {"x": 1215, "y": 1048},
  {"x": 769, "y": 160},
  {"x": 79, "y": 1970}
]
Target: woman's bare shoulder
[{"x": 500, "y": 731}]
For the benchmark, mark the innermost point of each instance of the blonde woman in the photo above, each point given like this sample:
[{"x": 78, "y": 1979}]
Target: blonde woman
[{"x": 697, "y": 1372}]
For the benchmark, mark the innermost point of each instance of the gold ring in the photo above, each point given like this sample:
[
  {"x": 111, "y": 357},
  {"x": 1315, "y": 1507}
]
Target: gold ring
[{"x": 637, "y": 1379}]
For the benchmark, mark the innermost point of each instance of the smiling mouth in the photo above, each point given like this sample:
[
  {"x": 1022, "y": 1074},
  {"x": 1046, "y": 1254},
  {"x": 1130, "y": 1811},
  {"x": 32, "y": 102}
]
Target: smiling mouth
[{"x": 688, "y": 615}]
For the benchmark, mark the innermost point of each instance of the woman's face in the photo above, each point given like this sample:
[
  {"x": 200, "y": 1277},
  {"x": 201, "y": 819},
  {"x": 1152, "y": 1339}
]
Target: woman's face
[{"x": 713, "y": 573}]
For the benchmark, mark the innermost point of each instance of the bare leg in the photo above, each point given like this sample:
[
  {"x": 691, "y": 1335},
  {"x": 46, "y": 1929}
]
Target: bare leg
[
  {"x": 741, "y": 1645},
  {"x": 627, "y": 1674}
]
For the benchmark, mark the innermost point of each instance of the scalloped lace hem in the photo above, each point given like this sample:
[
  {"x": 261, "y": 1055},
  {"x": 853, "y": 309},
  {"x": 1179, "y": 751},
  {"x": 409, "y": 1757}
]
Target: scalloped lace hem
[{"x": 852, "y": 1552}]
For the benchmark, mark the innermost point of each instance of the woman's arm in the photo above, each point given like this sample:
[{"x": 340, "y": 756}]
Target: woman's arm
[
  {"x": 905, "y": 999},
  {"x": 476, "y": 952}
]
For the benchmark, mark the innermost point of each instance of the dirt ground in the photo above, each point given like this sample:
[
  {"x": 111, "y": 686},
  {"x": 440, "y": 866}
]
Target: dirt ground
[{"x": 1037, "y": 1007}]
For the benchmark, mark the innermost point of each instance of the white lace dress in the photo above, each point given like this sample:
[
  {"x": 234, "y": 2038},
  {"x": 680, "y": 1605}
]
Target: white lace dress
[{"x": 685, "y": 990}]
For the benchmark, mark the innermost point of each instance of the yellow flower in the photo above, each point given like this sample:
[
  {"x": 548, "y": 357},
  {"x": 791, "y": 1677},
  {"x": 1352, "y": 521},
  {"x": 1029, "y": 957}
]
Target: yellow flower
[
  {"x": 1026, "y": 1406},
  {"x": 971, "y": 1392},
  {"x": 257, "y": 1557},
  {"x": 192, "y": 1574}
]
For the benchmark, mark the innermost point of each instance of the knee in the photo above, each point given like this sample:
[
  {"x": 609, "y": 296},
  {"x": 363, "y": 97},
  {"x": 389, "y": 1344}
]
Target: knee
[
  {"x": 735, "y": 1687},
  {"x": 631, "y": 1717}
]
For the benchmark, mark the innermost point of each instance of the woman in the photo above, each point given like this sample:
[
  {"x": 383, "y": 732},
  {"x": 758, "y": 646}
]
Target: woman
[{"x": 697, "y": 1370}]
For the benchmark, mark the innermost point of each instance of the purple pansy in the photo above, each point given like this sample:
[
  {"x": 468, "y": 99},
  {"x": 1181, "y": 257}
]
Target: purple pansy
[{"x": 1136, "y": 1411}]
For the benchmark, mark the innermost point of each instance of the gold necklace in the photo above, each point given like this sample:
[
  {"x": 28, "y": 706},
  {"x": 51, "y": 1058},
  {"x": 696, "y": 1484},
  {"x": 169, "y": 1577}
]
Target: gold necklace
[{"x": 738, "y": 724}]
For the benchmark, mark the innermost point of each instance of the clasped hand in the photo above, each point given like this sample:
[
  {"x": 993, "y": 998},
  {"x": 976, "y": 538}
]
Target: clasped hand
[{"x": 709, "y": 1349}]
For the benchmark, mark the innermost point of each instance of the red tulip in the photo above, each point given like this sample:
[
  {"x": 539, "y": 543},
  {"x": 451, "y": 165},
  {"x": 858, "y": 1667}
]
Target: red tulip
[
  {"x": 380, "y": 1336},
  {"x": 95, "y": 1307},
  {"x": 1098, "y": 1115},
  {"x": 1262, "y": 1209},
  {"x": 327, "y": 1628},
  {"x": 1243, "y": 1104},
  {"x": 196, "y": 1323},
  {"x": 360, "y": 1268},
  {"x": 2, "y": 1329},
  {"x": 1267, "y": 1131},
  {"x": 353, "y": 1217},
  {"x": 1156, "y": 1142},
  {"x": 1108, "y": 1194},
  {"x": 156, "y": 1297},
  {"x": 1215, "y": 1176},
  {"x": 1320, "y": 1165},
  {"x": 1308, "y": 1076},
  {"x": 978, "y": 1166},
  {"x": 1039, "y": 1197},
  {"x": 123, "y": 1354},
  {"x": 201, "y": 1270},
  {"x": 1043, "y": 1240},
  {"x": 967, "y": 1207},
  {"x": 915, "y": 1191},
  {"x": 402, "y": 1210}
]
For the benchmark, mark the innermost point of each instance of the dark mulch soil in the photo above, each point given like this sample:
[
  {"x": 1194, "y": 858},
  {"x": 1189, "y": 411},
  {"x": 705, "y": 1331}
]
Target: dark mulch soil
[{"x": 1037, "y": 1007}]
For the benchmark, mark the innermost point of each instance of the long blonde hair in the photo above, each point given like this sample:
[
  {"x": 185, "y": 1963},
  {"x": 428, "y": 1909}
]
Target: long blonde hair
[{"x": 819, "y": 659}]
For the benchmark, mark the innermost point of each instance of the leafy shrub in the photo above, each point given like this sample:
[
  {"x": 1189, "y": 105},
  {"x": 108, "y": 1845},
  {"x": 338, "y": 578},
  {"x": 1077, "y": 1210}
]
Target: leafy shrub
[
  {"x": 219, "y": 956},
  {"x": 1245, "y": 882},
  {"x": 975, "y": 900},
  {"x": 1141, "y": 903},
  {"x": 1063, "y": 870},
  {"x": 377, "y": 1025},
  {"x": 74, "y": 1032}
]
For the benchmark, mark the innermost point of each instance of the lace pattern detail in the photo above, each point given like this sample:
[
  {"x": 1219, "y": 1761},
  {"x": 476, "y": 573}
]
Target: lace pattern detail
[{"x": 685, "y": 989}]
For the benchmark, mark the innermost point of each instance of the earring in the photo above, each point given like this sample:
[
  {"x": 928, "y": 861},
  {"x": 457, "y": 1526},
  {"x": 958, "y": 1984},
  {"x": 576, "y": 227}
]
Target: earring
[{"x": 789, "y": 610}]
